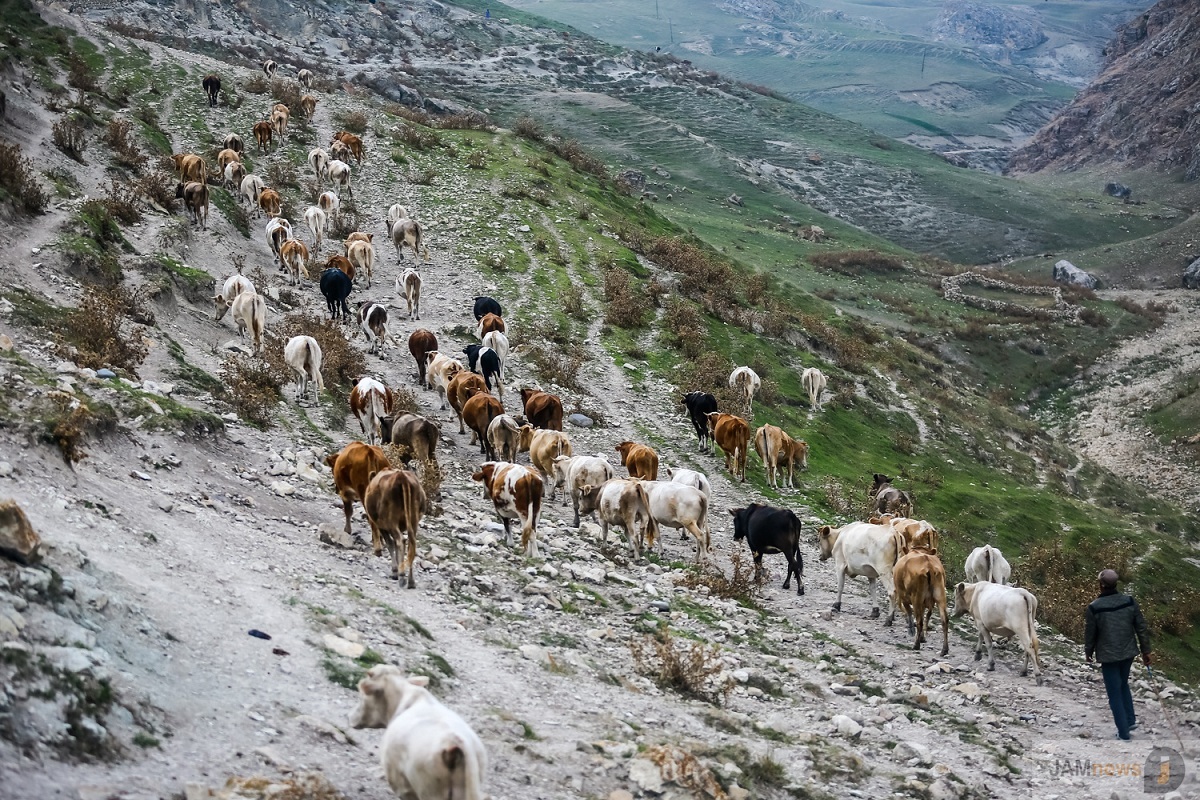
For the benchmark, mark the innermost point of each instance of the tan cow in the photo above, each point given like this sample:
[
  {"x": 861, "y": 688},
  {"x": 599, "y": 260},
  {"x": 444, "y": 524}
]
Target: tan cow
[
  {"x": 353, "y": 467},
  {"x": 264, "y": 135},
  {"x": 777, "y": 449},
  {"x": 747, "y": 383},
  {"x": 621, "y": 502},
  {"x": 732, "y": 435},
  {"x": 226, "y": 157},
  {"x": 516, "y": 493},
  {"x": 191, "y": 167},
  {"x": 394, "y": 502},
  {"x": 308, "y": 105},
  {"x": 362, "y": 256},
  {"x": 544, "y": 446},
  {"x": 270, "y": 202},
  {"x": 250, "y": 313},
  {"x": 293, "y": 255},
  {"x": 919, "y": 587},
  {"x": 439, "y": 370},
  {"x": 280, "y": 115},
  {"x": 640, "y": 460},
  {"x": 354, "y": 143}
]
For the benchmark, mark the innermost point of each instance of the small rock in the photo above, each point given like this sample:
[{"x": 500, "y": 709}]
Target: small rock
[
  {"x": 660, "y": 605},
  {"x": 645, "y": 774},
  {"x": 6, "y": 342},
  {"x": 325, "y": 728},
  {"x": 306, "y": 472},
  {"x": 104, "y": 372},
  {"x": 6, "y": 469},
  {"x": 846, "y": 727},
  {"x": 196, "y": 791},
  {"x": 905, "y": 752},
  {"x": 581, "y": 420},
  {"x": 141, "y": 476},
  {"x": 535, "y": 652},
  {"x": 165, "y": 504},
  {"x": 970, "y": 690},
  {"x": 18, "y": 540},
  {"x": 736, "y": 792},
  {"x": 333, "y": 535},
  {"x": 283, "y": 488},
  {"x": 343, "y": 647},
  {"x": 619, "y": 794}
]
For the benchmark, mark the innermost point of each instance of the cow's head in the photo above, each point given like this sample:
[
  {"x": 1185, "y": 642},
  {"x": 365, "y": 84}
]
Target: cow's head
[
  {"x": 484, "y": 476},
  {"x": 826, "y": 538},
  {"x": 962, "y": 599},
  {"x": 712, "y": 417},
  {"x": 385, "y": 427},
  {"x": 331, "y": 460},
  {"x": 525, "y": 438},
  {"x": 740, "y": 518},
  {"x": 881, "y": 480},
  {"x": 623, "y": 448},
  {"x": 589, "y": 499},
  {"x": 800, "y": 453}
]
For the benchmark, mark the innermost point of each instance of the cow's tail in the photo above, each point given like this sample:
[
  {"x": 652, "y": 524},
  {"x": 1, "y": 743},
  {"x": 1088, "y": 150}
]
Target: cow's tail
[
  {"x": 1031, "y": 604},
  {"x": 454, "y": 759},
  {"x": 703, "y": 521},
  {"x": 987, "y": 561},
  {"x": 651, "y": 525},
  {"x": 312, "y": 365}
]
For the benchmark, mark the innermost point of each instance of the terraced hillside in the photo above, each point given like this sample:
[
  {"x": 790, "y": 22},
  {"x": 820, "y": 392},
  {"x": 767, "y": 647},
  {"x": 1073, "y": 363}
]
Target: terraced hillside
[{"x": 184, "y": 500}]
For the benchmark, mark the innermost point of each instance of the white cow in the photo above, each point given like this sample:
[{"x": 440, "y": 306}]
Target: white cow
[
  {"x": 428, "y": 751},
  {"x": 498, "y": 342},
  {"x": 862, "y": 548},
  {"x": 339, "y": 176},
  {"x": 396, "y": 213},
  {"x": 1001, "y": 611},
  {"x": 303, "y": 355},
  {"x": 331, "y": 204},
  {"x": 250, "y": 313},
  {"x": 572, "y": 473},
  {"x": 408, "y": 286},
  {"x": 622, "y": 502},
  {"x": 814, "y": 383},
  {"x": 234, "y": 285},
  {"x": 279, "y": 230},
  {"x": 251, "y": 187},
  {"x": 317, "y": 220},
  {"x": 690, "y": 477},
  {"x": 318, "y": 159},
  {"x": 674, "y": 505},
  {"x": 988, "y": 564},
  {"x": 747, "y": 382}
]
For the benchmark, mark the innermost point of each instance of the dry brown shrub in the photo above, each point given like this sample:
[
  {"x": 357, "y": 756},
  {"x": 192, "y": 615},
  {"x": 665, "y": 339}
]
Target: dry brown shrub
[
  {"x": 574, "y": 153},
  {"x": 411, "y": 114},
  {"x": 121, "y": 198},
  {"x": 346, "y": 223},
  {"x": 683, "y": 328},
  {"x": 342, "y": 364},
  {"x": 423, "y": 178},
  {"x": 80, "y": 75},
  {"x": 466, "y": 121},
  {"x": 739, "y": 586},
  {"x": 289, "y": 93},
  {"x": 431, "y": 476},
  {"x": 1065, "y": 578},
  {"x": 69, "y": 422},
  {"x": 692, "y": 669},
  {"x": 709, "y": 372},
  {"x": 477, "y": 159},
  {"x": 573, "y": 301},
  {"x": 118, "y": 135},
  {"x": 353, "y": 121},
  {"x": 70, "y": 136},
  {"x": 257, "y": 84},
  {"x": 252, "y": 387},
  {"x": 158, "y": 188},
  {"x": 99, "y": 332},
  {"x": 404, "y": 401},
  {"x": 282, "y": 175},
  {"x": 18, "y": 179},
  {"x": 856, "y": 262},
  {"x": 628, "y": 306},
  {"x": 528, "y": 128},
  {"x": 417, "y": 137},
  {"x": 1094, "y": 318}
]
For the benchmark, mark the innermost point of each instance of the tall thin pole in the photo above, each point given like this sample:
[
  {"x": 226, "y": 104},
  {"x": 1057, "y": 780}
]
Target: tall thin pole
[
  {"x": 656, "y": 16},
  {"x": 671, "y": 28}
]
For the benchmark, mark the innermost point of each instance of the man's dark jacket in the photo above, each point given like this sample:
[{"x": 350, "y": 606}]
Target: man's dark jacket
[{"x": 1115, "y": 628}]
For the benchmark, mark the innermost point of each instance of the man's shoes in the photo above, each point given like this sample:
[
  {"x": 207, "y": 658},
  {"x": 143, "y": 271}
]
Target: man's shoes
[
  {"x": 1133, "y": 726},
  {"x": 1124, "y": 737}
]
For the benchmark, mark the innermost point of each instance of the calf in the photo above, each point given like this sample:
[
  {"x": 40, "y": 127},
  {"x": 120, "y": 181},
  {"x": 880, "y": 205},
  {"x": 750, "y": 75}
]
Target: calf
[
  {"x": 1001, "y": 611},
  {"x": 862, "y": 548},
  {"x": 353, "y": 467},
  {"x": 250, "y": 313},
  {"x": 362, "y": 256},
  {"x": 641, "y": 461},
  {"x": 463, "y": 386},
  {"x": 339, "y": 176},
  {"x": 575, "y": 472},
  {"x": 504, "y": 435},
  {"x": 408, "y": 232},
  {"x": 919, "y": 586},
  {"x": 428, "y": 751},
  {"x": 621, "y": 502},
  {"x": 771, "y": 530},
  {"x": 732, "y": 435},
  {"x": 747, "y": 384},
  {"x": 408, "y": 286},
  {"x": 486, "y": 362},
  {"x": 490, "y": 322},
  {"x": 293, "y": 255},
  {"x": 486, "y": 305},
  {"x": 195, "y": 200},
  {"x": 351, "y": 141},
  {"x": 699, "y": 406},
  {"x": 673, "y": 505},
  {"x": 394, "y": 502},
  {"x": 318, "y": 159},
  {"x": 498, "y": 342},
  {"x": 336, "y": 287},
  {"x": 987, "y": 563},
  {"x": 478, "y": 412},
  {"x": 370, "y": 400},
  {"x": 516, "y": 493},
  {"x": 544, "y": 410},
  {"x": 303, "y": 355},
  {"x": 234, "y": 285},
  {"x": 373, "y": 321},
  {"x": 421, "y": 343},
  {"x": 264, "y": 134},
  {"x": 270, "y": 202},
  {"x": 316, "y": 220},
  {"x": 439, "y": 369},
  {"x": 212, "y": 88},
  {"x": 814, "y": 383},
  {"x": 416, "y": 436},
  {"x": 777, "y": 449}
]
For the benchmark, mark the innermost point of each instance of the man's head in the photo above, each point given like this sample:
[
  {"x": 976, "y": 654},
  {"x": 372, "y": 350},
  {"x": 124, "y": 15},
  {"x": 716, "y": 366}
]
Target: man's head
[{"x": 1108, "y": 579}]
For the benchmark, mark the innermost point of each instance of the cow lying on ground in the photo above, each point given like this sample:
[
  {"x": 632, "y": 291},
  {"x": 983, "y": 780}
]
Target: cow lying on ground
[
  {"x": 394, "y": 503},
  {"x": 919, "y": 587},
  {"x": 516, "y": 493},
  {"x": 771, "y": 530},
  {"x": 1001, "y": 611},
  {"x": 428, "y": 751}
]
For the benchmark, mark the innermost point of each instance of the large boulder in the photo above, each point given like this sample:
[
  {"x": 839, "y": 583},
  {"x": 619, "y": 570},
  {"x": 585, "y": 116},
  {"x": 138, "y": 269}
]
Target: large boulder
[
  {"x": 1118, "y": 190},
  {"x": 1066, "y": 272},
  {"x": 1191, "y": 275},
  {"x": 18, "y": 540}
]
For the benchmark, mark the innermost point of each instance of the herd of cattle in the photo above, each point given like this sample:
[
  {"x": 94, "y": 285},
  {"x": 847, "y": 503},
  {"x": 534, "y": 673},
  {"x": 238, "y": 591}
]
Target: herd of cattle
[{"x": 429, "y": 751}]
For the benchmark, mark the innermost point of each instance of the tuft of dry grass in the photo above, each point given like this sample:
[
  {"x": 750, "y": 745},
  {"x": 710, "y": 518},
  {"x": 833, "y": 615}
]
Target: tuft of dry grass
[
  {"x": 121, "y": 198},
  {"x": 628, "y": 306},
  {"x": 353, "y": 121},
  {"x": 289, "y": 93},
  {"x": 423, "y": 178},
  {"x": 252, "y": 388},
  {"x": 118, "y": 135},
  {"x": 692, "y": 669},
  {"x": 683, "y": 328},
  {"x": 257, "y": 84},
  {"x": 19, "y": 182},
  {"x": 99, "y": 332},
  {"x": 70, "y": 136},
  {"x": 417, "y": 137},
  {"x": 528, "y": 128},
  {"x": 856, "y": 262},
  {"x": 739, "y": 586},
  {"x": 158, "y": 188}
]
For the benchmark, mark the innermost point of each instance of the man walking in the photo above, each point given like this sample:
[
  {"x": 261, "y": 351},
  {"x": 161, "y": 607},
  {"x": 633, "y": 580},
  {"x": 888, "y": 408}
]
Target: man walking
[{"x": 1113, "y": 622}]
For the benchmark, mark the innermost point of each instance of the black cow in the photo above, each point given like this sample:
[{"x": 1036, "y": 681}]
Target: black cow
[
  {"x": 771, "y": 530},
  {"x": 486, "y": 362},
  {"x": 212, "y": 87},
  {"x": 699, "y": 405},
  {"x": 484, "y": 306},
  {"x": 336, "y": 286}
]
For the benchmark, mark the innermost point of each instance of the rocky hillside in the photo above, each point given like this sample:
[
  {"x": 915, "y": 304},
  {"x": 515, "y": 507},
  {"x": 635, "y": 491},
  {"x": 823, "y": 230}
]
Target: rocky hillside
[
  {"x": 1140, "y": 111},
  {"x": 195, "y": 620}
]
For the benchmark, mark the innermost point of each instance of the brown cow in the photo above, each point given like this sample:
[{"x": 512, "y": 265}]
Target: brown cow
[
  {"x": 543, "y": 410},
  {"x": 293, "y": 255},
  {"x": 191, "y": 167},
  {"x": 421, "y": 342},
  {"x": 516, "y": 493},
  {"x": 351, "y": 141},
  {"x": 640, "y": 460},
  {"x": 463, "y": 386},
  {"x": 308, "y": 104},
  {"x": 342, "y": 263},
  {"x": 415, "y": 436},
  {"x": 270, "y": 202},
  {"x": 777, "y": 449},
  {"x": 394, "y": 502},
  {"x": 195, "y": 200},
  {"x": 279, "y": 120},
  {"x": 479, "y": 411},
  {"x": 919, "y": 587},
  {"x": 353, "y": 469},
  {"x": 732, "y": 435},
  {"x": 264, "y": 135},
  {"x": 226, "y": 157},
  {"x": 489, "y": 323},
  {"x": 888, "y": 499}
]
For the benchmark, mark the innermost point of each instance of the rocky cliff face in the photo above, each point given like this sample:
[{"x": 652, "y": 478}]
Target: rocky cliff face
[
  {"x": 981, "y": 24},
  {"x": 1141, "y": 110}
]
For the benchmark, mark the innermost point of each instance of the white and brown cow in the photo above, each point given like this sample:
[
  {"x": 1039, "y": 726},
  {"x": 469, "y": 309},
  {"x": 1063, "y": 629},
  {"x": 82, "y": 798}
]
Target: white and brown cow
[
  {"x": 673, "y": 505},
  {"x": 516, "y": 493},
  {"x": 573, "y": 473},
  {"x": 373, "y": 321},
  {"x": 370, "y": 401},
  {"x": 777, "y": 449},
  {"x": 622, "y": 502},
  {"x": 439, "y": 370}
]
